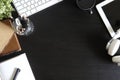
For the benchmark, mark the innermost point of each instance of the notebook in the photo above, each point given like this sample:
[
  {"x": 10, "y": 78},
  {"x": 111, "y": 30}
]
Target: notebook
[{"x": 7, "y": 68}]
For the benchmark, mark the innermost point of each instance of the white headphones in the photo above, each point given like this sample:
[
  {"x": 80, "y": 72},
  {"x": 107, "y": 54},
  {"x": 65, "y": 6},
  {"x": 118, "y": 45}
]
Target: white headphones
[{"x": 113, "y": 46}]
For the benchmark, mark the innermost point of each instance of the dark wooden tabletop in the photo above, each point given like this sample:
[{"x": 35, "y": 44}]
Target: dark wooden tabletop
[{"x": 69, "y": 44}]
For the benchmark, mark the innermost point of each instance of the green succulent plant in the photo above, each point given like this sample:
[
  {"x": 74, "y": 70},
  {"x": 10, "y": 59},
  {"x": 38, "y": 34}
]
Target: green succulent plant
[{"x": 5, "y": 9}]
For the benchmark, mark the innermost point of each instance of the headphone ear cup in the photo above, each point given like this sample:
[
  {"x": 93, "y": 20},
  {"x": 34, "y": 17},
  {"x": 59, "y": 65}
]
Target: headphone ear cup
[
  {"x": 116, "y": 59},
  {"x": 108, "y": 44},
  {"x": 113, "y": 47}
]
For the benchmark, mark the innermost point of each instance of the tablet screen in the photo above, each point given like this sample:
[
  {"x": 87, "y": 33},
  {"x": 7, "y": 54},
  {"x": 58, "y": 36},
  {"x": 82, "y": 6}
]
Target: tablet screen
[{"x": 112, "y": 12}]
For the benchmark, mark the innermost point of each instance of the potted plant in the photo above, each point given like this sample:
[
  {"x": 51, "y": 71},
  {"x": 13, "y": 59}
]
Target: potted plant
[
  {"x": 11, "y": 42},
  {"x": 5, "y": 9}
]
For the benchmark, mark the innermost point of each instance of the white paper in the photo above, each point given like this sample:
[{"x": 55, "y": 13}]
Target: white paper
[{"x": 7, "y": 68}]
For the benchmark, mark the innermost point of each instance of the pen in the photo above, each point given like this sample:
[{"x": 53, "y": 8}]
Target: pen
[{"x": 16, "y": 73}]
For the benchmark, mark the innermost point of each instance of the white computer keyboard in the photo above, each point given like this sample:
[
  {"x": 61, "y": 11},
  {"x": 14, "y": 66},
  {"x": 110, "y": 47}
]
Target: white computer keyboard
[{"x": 30, "y": 7}]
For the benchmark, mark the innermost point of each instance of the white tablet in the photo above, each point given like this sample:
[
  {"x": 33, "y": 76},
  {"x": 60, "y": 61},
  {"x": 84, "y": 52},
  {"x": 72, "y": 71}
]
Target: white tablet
[{"x": 108, "y": 11}]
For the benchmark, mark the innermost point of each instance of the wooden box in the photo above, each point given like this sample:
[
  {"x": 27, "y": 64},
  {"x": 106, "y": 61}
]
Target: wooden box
[{"x": 8, "y": 39}]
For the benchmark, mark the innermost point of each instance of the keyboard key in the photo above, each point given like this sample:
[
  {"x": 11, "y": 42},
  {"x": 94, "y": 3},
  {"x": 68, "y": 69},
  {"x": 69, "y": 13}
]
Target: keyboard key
[
  {"x": 15, "y": 1},
  {"x": 32, "y": 2},
  {"x": 25, "y": 5},
  {"x": 18, "y": 4},
  {"x": 38, "y": 8},
  {"x": 36, "y": 4},
  {"x": 36, "y": 0},
  {"x": 28, "y": 8},
  {"x": 28, "y": 13},
  {"x": 20, "y": 7},
  {"x": 47, "y": 0},
  {"x": 22, "y": 2},
  {"x": 23, "y": 10},
  {"x": 33, "y": 11},
  {"x": 26, "y": 0},
  {"x": 43, "y": 1},
  {"x": 23, "y": 14},
  {"x": 32, "y": 6},
  {"x": 40, "y": 2},
  {"x": 28, "y": 3}
]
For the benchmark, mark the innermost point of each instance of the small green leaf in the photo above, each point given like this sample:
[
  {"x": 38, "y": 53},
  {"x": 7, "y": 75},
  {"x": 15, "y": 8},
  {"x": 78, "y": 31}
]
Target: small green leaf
[{"x": 5, "y": 9}]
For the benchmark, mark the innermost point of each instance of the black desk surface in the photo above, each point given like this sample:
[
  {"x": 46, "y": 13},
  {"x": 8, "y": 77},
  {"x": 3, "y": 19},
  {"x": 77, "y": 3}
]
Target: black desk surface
[{"x": 69, "y": 44}]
